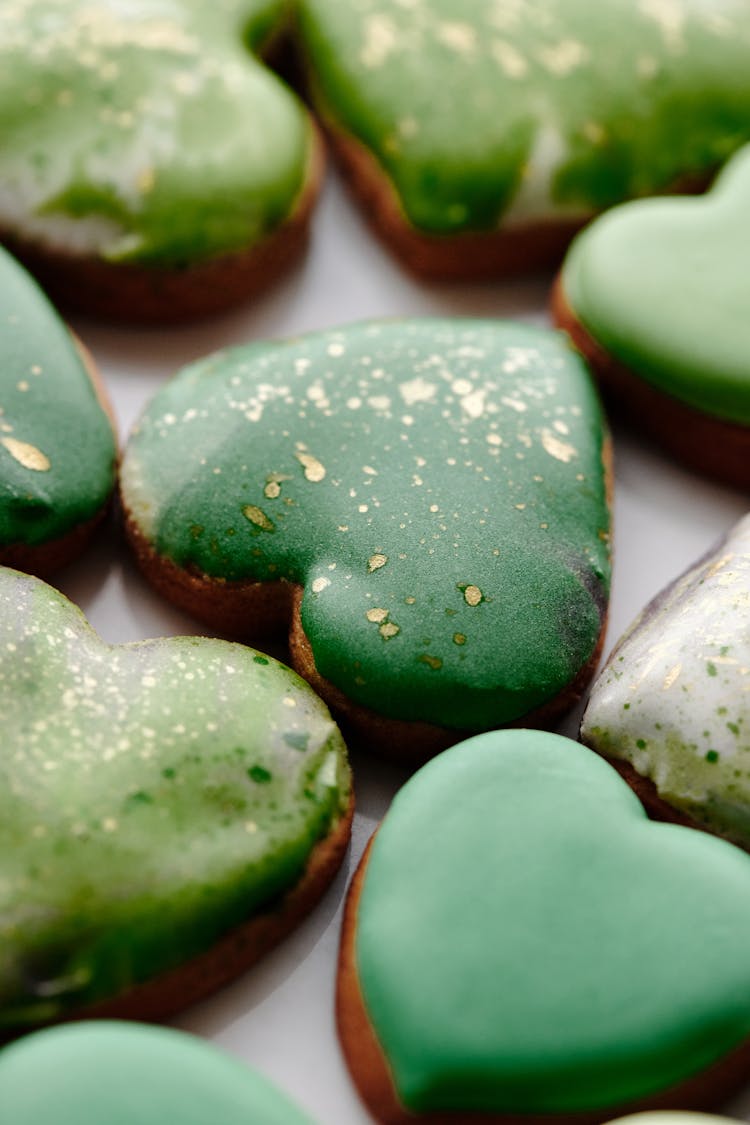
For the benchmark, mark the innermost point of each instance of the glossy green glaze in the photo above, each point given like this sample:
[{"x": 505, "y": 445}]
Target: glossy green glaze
[
  {"x": 436, "y": 486},
  {"x": 529, "y": 942},
  {"x": 57, "y": 449},
  {"x": 129, "y": 1074},
  {"x": 662, "y": 286},
  {"x": 152, "y": 796},
  {"x": 145, "y": 132},
  {"x": 531, "y": 109}
]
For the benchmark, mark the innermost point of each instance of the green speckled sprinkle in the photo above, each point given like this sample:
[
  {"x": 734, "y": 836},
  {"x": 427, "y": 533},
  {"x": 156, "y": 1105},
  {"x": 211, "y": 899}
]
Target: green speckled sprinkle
[
  {"x": 146, "y": 131},
  {"x": 436, "y": 486},
  {"x": 684, "y": 669},
  {"x": 57, "y": 450},
  {"x": 531, "y": 109},
  {"x": 131, "y": 834},
  {"x": 129, "y": 1074}
]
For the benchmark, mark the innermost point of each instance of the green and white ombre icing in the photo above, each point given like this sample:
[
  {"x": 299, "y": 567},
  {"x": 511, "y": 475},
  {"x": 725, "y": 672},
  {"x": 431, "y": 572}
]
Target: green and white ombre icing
[
  {"x": 528, "y": 942},
  {"x": 662, "y": 286},
  {"x": 519, "y": 110},
  {"x": 57, "y": 449},
  {"x": 130, "y": 1074},
  {"x": 673, "y": 698},
  {"x": 436, "y": 486},
  {"x": 145, "y": 131},
  {"x": 152, "y": 797}
]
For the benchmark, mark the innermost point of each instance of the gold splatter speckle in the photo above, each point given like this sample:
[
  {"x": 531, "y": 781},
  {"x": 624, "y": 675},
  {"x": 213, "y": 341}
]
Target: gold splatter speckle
[
  {"x": 375, "y": 562},
  {"x": 671, "y": 677},
  {"x": 27, "y": 455},
  {"x": 377, "y": 616},
  {"x": 410, "y": 600},
  {"x": 258, "y": 517},
  {"x": 560, "y": 450},
  {"x": 388, "y": 630},
  {"x": 459, "y": 639},
  {"x": 314, "y": 470},
  {"x": 472, "y": 595},
  {"x": 320, "y": 584},
  {"x": 433, "y": 662}
]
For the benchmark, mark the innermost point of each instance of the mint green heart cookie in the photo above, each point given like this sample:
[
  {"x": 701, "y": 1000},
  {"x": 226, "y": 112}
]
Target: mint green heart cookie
[
  {"x": 661, "y": 286},
  {"x": 57, "y": 449},
  {"x": 527, "y": 942},
  {"x": 153, "y": 797},
  {"x": 148, "y": 133},
  {"x": 672, "y": 699},
  {"x": 128, "y": 1074},
  {"x": 489, "y": 112},
  {"x": 436, "y": 487}
]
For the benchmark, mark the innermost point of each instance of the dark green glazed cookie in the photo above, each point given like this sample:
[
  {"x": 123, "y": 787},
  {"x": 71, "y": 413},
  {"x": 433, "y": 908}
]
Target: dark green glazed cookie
[
  {"x": 435, "y": 487},
  {"x": 524, "y": 115},
  {"x": 147, "y": 136},
  {"x": 57, "y": 449},
  {"x": 155, "y": 798},
  {"x": 128, "y": 1074}
]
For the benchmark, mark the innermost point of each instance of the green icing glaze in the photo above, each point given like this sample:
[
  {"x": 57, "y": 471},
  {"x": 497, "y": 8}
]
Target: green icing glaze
[
  {"x": 148, "y": 131},
  {"x": 132, "y": 832},
  {"x": 531, "y": 109},
  {"x": 129, "y": 1074},
  {"x": 436, "y": 486},
  {"x": 528, "y": 942},
  {"x": 672, "y": 699},
  {"x": 662, "y": 286},
  {"x": 57, "y": 450}
]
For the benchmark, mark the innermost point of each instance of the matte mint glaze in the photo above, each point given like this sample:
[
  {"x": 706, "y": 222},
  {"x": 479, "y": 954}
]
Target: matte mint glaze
[
  {"x": 436, "y": 486},
  {"x": 145, "y": 131},
  {"x": 57, "y": 450},
  {"x": 672, "y": 699},
  {"x": 528, "y": 942},
  {"x": 129, "y": 1074},
  {"x": 152, "y": 796},
  {"x": 531, "y": 109}
]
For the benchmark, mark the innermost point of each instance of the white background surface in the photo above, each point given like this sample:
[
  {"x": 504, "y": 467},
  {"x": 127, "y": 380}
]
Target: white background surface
[{"x": 279, "y": 1016}]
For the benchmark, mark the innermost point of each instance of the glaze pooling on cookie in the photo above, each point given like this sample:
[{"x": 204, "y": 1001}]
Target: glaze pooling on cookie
[
  {"x": 661, "y": 285},
  {"x": 145, "y": 132},
  {"x": 130, "y": 1074},
  {"x": 435, "y": 486},
  {"x": 541, "y": 952},
  {"x": 672, "y": 700},
  {"x": 57, "y": 450},
  {"x": 531, "y": 110},
  {"x": 153, "y": 796}
]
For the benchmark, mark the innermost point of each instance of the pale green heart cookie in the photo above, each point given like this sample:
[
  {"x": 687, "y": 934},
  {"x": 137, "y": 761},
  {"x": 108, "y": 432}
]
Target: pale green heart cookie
[
  {"x": 436, "y": 487},
  {"x": 57, "y": 449},
  {"x": 527, "y": 942},
  {"x": 129, "y": 1074},
  {"x": 153, "y": 796},
  {"x": 673, "y": 1117},
  {"x": 493, "y": 112},
  {"x": 662, "y": 287},
  {"x": 672, "y": 700},
  {"x": 146, "y": 133}
]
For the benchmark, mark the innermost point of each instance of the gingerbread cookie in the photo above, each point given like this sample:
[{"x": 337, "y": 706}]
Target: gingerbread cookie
[
  {"x": 482, "y": 135},
  {"x": 654, "y": 295},
  {"x": 522, "y": 943},
  {"x": 670, "y": 707},
  {"x": 168, "y": 810},
  {"x": 426, "y": 500},
  {"x": 57, "y": 448},
  {"x": 151, "y": 167},
  {"x": 127, "y": 1074}
]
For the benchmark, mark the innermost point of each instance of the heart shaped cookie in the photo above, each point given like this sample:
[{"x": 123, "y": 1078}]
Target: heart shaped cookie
[
  {"x": 151, "y": 167},
  {"x": 430, "y": 495},
  {"x": 523, "y": 943},
  {"x": 481, "y": 135},
  {"x": 168, "y": 810},
  {"x": 654, "y": 294},
  {"x": 126, "y": 1074},
  {"x": 670, "y": 707},
  {"x": 57, "y": 449}
]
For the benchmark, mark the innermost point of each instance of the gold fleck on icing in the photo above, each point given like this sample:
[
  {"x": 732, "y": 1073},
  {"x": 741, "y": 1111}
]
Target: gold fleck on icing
[
  {"x": 433, "y": 662},
  {"x": 376, "y": 615},
  {"x": 671, "y": 677},
  {"x": 389, "y": 629},
  {"x": 560, "y": 450},
  {"x": 459, "y": 639},
  {"x": 314, "y": 470},
  {"x": 320, "y": 584},
  {"x": 472, "y": 595},
  {"x": 258, "y": 517},
  {"x": 27, "y": 455},
  {"x": 375, "y": 562}
]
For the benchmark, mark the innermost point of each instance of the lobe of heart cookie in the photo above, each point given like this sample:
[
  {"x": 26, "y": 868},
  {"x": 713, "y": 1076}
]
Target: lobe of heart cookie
[
  {"x": 527, "y": 942},
  {"x": 153, "y": 797},
  {"x": 129, "y": 1074},
  {"x": 671, "y": 701}
]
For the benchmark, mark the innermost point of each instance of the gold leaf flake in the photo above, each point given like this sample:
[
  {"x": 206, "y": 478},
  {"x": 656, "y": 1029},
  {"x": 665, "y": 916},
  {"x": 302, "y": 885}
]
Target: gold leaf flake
[
  {"x": 314, "y": 470},
  {"x": 258, "y": 517},
  {"x": 27, "y": 455},
  {"x": 472, "y": 595},
  {"x": 375, "y": 562},
  {"x": 320, "y": 584},
  {"x": 377, "y": 616},
  {"x": 671, "y": 677},
  {"x": 560, "y": 450},
  {"x": 388, "y": 630}
]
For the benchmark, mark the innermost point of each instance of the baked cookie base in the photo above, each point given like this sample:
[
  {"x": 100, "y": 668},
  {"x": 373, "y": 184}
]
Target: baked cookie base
[{"x": 710, "y": 445}]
